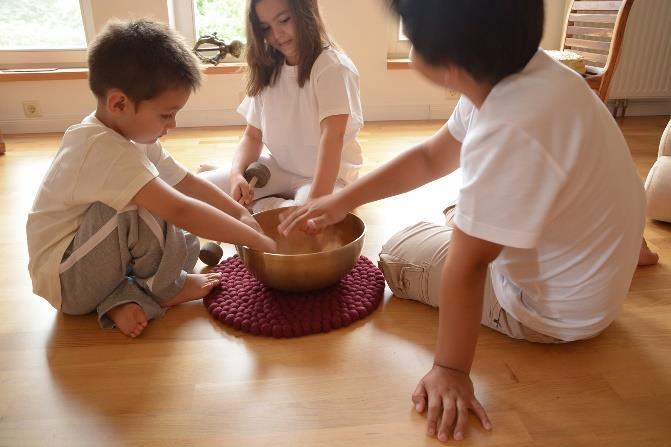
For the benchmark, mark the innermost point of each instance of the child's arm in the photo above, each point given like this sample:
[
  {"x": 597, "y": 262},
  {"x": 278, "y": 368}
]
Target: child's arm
[
  {"x": 200, "y": 218},
  {"x": 424, "y": 163},
  {"x": 199, "y": 188},
  {"x": 447, "y": 390},
  {"x": 249, "y": 150},
  {"x": 330, "y": 152}
]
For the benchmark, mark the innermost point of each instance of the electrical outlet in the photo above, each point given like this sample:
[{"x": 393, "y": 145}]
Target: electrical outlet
[{"x": 32, "y": 109}]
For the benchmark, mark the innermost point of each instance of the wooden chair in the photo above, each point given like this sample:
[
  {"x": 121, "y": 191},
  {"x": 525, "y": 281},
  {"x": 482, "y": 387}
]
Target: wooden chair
[{"x": 595, "y": 30}]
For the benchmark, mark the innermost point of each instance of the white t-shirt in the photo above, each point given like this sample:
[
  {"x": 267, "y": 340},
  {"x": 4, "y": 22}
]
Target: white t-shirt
[
  {"x": 547, "y": 174},
  {"x": 93, "y": 164},
  {"x": 289, "y": 116}
]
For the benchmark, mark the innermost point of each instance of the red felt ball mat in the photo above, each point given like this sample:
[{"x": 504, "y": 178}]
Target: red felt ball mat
[{"x": 243, "y": 302}]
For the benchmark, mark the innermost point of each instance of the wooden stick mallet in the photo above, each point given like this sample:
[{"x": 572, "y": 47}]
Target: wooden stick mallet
[{"x": 257, "y": 174}]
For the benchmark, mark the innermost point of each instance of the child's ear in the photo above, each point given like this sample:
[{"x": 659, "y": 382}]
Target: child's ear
[{"x": 117, "y": 101}]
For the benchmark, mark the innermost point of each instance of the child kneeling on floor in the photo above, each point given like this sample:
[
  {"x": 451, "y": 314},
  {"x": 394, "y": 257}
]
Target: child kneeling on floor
[
  {"x": 550, "y": 216},
  {"x": 106, "y": 230}
]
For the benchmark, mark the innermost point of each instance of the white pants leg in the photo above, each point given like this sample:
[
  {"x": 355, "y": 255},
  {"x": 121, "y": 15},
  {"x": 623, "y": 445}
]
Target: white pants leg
[{"x": 283, "y": 189}]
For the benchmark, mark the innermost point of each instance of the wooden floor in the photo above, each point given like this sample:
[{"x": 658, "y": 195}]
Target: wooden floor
[{"x": 190, "y": 381}]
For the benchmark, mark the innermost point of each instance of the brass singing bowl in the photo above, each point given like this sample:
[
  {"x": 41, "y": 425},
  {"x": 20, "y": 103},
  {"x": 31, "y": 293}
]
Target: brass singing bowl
[{"x": 305, "y": 262}]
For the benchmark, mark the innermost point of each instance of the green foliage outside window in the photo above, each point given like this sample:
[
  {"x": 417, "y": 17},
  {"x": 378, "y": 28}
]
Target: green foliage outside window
[
  {"x": 225, "y": 17},
  {"x": 42, "y": 24}
]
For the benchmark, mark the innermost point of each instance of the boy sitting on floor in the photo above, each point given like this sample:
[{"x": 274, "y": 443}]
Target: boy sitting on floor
[
  {"x": 105, "y": 230},
  {"x": 550, "y": 215}
]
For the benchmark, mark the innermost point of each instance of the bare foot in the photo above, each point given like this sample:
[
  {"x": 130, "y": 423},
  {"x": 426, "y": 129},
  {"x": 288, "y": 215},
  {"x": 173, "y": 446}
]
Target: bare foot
[
  {"x": 206, "y": 167},
  {"x": 647, "y": 256},
  {"x": 129, "y": 319},
  {"x": 196, "y": 286}
]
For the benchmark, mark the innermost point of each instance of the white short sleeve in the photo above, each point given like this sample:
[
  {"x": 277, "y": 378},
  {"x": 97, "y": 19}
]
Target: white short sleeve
[
  {"x": 251, "y": 108},
  {"x": 170, "y": 170},
  {"x": 509, "y": 185},
  {"x": 337, "y": 91},
  {"x": 460, "y": 119}
]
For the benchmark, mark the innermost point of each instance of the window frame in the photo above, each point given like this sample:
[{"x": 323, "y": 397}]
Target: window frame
[
  {"x": 56, "y": 58},
  {"x": 398, "y": 45},
  {"x": 181, "y": 17}
]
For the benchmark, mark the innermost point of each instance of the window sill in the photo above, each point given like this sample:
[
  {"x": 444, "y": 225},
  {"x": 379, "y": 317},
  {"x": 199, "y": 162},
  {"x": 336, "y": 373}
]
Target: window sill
[
  {"x": 398, "y": 64},
  {"x": 43, "y": 74},
  {"x": 63, "y": 74}
]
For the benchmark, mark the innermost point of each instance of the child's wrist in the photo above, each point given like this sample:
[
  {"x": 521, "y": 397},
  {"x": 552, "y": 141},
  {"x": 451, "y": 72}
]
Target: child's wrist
[
  {"x": 450, "y": 368},
  {"x": 346, "y": 201}
]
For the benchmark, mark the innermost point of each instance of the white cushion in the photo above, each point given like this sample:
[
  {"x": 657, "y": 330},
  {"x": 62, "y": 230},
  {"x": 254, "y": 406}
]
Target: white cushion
[{"x": 658, "y": 183}]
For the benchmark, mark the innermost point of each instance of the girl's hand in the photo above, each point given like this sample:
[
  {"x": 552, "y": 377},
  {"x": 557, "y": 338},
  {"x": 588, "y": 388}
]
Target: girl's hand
[
  {"x": 313, "y": 216},
  {"x": 448, "y": 395},
  {"x": 240, "y": 189}
]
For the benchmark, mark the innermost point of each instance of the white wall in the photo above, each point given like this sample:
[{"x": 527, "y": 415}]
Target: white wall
[{"x": 359, "y": 26}]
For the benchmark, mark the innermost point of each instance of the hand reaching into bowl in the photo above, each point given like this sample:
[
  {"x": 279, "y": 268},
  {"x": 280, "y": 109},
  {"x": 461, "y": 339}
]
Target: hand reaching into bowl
[
  {"x": 248, "y": 220},
  {"x": 313, "y": 216}
]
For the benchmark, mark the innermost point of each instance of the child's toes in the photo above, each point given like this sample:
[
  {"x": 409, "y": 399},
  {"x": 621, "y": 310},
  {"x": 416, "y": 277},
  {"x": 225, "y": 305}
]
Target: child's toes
[
  {"x": 137, "y": 330},
  {"x": 139, "y": 316}
]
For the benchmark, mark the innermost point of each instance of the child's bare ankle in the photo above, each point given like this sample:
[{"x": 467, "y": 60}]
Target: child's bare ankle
[{"x": 196, "y": 286}]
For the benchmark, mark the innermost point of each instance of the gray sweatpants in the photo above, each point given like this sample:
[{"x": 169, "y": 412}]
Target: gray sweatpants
[{"x": 129, "y": 256}]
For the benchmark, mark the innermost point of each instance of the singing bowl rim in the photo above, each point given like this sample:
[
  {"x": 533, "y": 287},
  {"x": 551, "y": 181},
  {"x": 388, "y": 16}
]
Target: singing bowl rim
[{"x": 358, "y": 239}]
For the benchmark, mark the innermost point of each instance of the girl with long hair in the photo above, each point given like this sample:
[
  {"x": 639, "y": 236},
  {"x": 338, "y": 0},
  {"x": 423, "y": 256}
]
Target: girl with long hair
[{"x": 302, "y": 105}]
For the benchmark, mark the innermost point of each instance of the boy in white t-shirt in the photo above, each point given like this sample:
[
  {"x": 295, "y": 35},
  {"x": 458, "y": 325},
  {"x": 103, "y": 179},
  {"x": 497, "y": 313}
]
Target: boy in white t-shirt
[
  {"x": 302, "y": 105},
  {"x": 547, "y": 228},
  {"x": 105, "y": 230}
]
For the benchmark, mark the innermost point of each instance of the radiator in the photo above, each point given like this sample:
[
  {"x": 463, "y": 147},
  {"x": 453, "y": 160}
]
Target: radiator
[{"x": 644, "y": 70}]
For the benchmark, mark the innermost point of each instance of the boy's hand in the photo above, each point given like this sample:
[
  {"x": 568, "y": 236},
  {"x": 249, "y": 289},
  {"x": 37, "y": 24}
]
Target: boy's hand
[
  {"x": 314, "y": 216},
  {"x": 448, "y": 395},
  {"x": 240, "y": 189},
  {"x": 248, "y": 220},
  {"x": 269, "y": 244}
]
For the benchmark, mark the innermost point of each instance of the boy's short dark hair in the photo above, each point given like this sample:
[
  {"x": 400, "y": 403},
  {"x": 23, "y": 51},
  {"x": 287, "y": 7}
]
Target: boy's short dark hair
[
  {"x": 490, "y": 39},
  {"x": 142, "y": 58}
]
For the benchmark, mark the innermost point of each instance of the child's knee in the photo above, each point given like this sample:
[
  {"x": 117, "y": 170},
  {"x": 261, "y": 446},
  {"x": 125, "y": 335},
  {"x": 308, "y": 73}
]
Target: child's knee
[
  {"x": 406, "y": 280},
  {"x": 412, "y": 260}
]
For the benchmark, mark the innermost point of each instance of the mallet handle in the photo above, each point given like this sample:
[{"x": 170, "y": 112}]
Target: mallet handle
[{"x": 252, "y": 184}]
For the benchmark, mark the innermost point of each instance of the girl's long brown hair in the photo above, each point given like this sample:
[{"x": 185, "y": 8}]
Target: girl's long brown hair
[{"x": 264, "y": 62}]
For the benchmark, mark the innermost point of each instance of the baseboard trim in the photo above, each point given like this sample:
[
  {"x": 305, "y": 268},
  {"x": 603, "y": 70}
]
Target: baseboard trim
[
  {"x": 644, "y": 107},
  {"x": 230, "y": 117},
  {"x": 185, "y": 118}
]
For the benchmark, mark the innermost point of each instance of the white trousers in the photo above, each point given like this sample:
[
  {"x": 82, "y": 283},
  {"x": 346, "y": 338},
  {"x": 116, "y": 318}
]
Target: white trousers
[{"x": 284, "y": 188}]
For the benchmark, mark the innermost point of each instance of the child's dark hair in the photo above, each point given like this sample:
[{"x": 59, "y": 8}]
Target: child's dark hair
[
  {"x": 490, "y": 39},
  {"x": 264, "y": 62},
  {"x": 142, "y": 58}
]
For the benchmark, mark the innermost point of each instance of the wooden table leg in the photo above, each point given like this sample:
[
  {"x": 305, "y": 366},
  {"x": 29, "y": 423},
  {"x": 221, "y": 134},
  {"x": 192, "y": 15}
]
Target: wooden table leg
[{"x": 2, "y": 145}]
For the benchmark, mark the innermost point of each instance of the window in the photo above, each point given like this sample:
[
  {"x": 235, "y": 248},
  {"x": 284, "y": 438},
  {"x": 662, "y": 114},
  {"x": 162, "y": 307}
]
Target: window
[
  {"x": 55, "y": 33},
  {"x": 397, "y": 42},
  {"x": 44, "y": 32},
  {"x": 225, "y": 17},
  {"x": 195, "y": 18}
]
